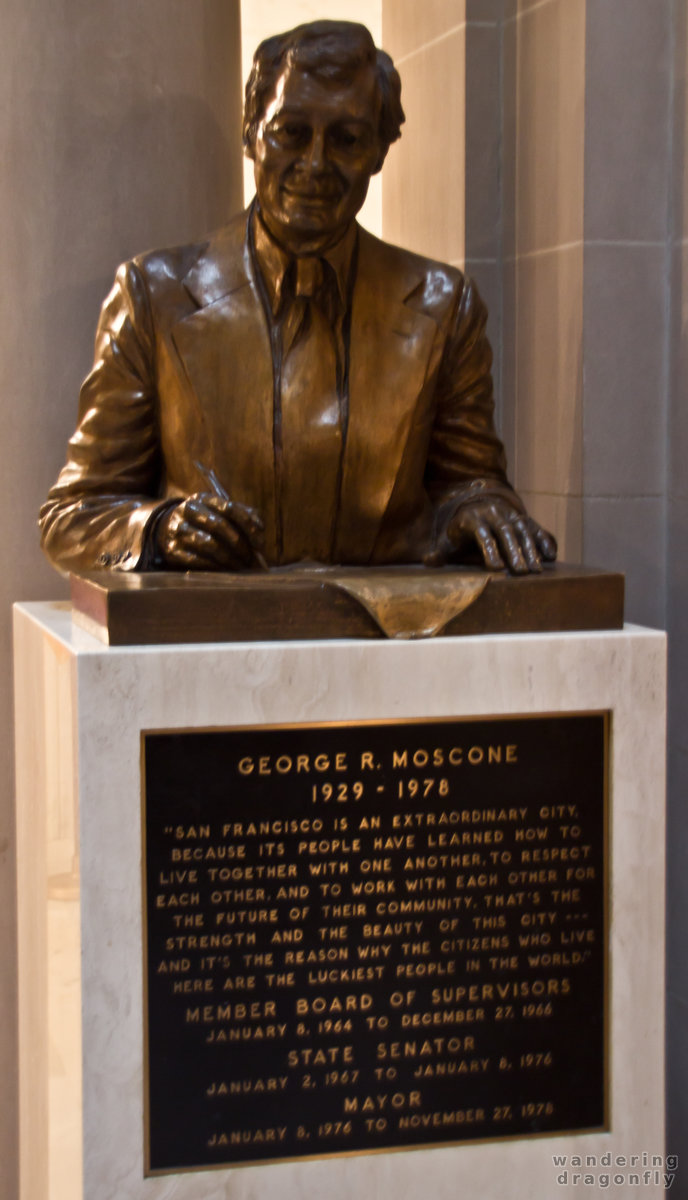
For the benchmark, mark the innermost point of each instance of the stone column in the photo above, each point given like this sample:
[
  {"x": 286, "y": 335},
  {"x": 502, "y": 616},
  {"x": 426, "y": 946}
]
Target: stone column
[
  {"x": 586, "y": 163},
  {"x": 625, "y": 295},
  {"x": 596, "y": 308},
  {"x": 120, "y": 129},
  {"x": 543, "y": 150}
]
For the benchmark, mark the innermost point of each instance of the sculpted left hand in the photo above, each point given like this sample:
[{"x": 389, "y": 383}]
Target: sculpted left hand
[{"x": 504, "y": 536}]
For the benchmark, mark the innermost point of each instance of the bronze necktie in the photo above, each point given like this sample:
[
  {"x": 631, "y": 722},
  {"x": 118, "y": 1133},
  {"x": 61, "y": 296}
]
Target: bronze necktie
[{"x": 311, "y": 420}]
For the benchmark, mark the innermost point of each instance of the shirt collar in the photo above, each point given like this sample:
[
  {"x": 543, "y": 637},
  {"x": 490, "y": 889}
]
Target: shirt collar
[{"x": 274, "y": 261}]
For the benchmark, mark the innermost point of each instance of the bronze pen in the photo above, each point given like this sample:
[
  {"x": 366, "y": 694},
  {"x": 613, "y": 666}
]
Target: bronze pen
[{"x": 209, "y": 475}]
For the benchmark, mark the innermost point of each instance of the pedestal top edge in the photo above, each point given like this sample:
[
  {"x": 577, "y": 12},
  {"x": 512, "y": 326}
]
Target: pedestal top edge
[{"x": 54, "y": 618}]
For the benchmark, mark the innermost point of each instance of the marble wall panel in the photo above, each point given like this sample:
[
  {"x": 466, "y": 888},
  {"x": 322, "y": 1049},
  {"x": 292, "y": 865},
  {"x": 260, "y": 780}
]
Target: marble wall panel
[
  {"x": 625, "y": 318},
  {"x": 508, "y": 360},
  {"x": 484, "y": 12},
  {"x": 548, "y": 417},
  {"x": 550, "y": 74},
  {"x": 483, "y": 142},
  {"x": 407, "y": 25},
  {"x": 680, "y": 120},
  {"x": 628, "y": 535},
  {"x": 627, "y": 142},
  {"x": 423, "y": 195},
  {"x": 508, "y": 157},
  {"x": 677, "y": 608},
  {"x": 677, "y": 842},
  {"x": 678, "y": 414},
  {"x": 677, "y": 1097},
  {"x": 563, "y": 516}
]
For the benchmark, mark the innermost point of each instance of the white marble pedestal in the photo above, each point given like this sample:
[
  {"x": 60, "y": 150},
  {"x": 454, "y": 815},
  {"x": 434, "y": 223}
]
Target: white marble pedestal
[{"x": 81, "y": 708}]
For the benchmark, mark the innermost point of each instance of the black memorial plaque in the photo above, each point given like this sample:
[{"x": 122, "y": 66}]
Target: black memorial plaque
[{"x": 361, "y": 937}]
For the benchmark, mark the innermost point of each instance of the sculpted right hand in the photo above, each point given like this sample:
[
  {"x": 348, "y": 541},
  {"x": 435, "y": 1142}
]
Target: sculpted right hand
[{"x": 206, "y": 533}]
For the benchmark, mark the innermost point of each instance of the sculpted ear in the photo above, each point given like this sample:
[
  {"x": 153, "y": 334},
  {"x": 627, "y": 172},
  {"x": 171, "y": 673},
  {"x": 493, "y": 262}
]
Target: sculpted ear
[
  {"x": 380, "y": 161},
  {"x": 249, "y": 134}
]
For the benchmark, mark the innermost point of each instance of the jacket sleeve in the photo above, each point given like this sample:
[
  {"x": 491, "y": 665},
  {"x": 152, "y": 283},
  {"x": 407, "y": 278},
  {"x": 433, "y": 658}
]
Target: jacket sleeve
[
  {"x": 108, "y": 491},
  {"x": 466, "y": 459}
]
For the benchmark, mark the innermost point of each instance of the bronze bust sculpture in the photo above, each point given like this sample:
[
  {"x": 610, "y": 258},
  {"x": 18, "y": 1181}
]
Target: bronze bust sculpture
[{"x": 291, "y": 388}]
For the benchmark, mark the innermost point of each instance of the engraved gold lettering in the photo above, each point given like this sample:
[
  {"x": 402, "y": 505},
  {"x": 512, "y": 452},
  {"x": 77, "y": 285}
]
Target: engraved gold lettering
[
  {"x": 247, "y": 1087},
  {"x": 462, "y": 1116},
  {"x": 178, "y": 900},
  {"x": 322, "y": 1056},
  {"x": 333, "y": 1004}
]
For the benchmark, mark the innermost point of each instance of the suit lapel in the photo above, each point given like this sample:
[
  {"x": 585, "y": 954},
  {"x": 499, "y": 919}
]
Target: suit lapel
[
  {"x": 391, "y": 345},
  {"x": 224, "y": 265},
  {"x": 225, "y": 350}
]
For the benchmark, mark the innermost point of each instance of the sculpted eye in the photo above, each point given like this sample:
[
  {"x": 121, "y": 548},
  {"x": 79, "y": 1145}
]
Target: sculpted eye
[
  {"x": 346, "y": 138},
  {"x": 291, "y": 133}
]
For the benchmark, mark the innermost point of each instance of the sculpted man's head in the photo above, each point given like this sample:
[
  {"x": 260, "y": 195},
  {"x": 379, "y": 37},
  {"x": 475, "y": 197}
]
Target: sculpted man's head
[{"x": 322, "y": 108}]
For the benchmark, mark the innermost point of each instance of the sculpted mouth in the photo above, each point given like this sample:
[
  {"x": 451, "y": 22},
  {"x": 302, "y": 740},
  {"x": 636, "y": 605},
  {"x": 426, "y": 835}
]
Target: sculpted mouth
[{"x": 308, "y": 196}]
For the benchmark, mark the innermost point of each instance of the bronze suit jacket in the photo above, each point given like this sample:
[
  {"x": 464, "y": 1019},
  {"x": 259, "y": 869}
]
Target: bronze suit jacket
[{"x": 183, "y": 374}]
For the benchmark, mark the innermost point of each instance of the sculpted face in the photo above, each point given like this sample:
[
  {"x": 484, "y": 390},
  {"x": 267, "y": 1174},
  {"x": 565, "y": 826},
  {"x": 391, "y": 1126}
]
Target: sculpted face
[{"x": 316, "y": 147}]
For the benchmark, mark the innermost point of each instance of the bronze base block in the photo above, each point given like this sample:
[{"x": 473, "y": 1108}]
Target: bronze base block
[{"x": 337, "y": 602}]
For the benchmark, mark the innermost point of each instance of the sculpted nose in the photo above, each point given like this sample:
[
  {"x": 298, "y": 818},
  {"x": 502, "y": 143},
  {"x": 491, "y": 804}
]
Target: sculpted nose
[{"x": 315, "y": 154}]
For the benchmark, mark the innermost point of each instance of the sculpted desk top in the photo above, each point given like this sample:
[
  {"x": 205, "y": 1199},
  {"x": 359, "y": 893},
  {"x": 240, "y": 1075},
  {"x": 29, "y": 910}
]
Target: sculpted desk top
[{"x": 309, "y": 603}]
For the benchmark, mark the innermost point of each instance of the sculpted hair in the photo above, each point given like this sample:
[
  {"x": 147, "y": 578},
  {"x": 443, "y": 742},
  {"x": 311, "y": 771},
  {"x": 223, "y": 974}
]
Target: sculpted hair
[{"x": 329, "y": 50}]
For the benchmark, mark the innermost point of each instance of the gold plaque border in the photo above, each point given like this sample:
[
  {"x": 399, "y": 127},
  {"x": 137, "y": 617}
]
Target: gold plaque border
[{"x": 607, "y": 733}]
